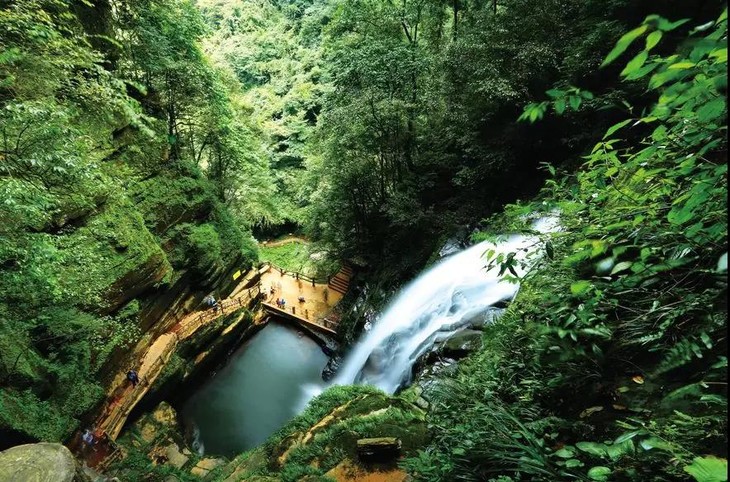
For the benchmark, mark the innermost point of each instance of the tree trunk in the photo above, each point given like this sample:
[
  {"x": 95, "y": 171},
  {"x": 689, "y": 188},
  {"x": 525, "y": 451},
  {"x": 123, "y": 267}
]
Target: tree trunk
[{"x": 456, "y": 19}]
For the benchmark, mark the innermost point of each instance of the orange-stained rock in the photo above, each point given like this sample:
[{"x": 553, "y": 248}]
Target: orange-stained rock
[{"x": 348, "y": 471}]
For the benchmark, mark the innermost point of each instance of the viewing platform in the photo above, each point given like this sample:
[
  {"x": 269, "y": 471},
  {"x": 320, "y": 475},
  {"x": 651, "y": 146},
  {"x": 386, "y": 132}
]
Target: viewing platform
[{"x": 306, "y": 300}]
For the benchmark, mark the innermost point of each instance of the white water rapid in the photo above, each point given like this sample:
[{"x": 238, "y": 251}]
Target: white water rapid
[{"x": 441, "y": 301}]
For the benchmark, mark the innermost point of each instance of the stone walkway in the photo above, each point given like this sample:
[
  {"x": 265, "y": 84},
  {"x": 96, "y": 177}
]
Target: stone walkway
[{"x": 122, "y": 397}]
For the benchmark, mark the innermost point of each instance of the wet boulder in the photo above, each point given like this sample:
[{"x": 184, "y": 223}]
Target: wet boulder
[
  {"x": 462, "y": 343},
  {"x": 330, "y": 369}
]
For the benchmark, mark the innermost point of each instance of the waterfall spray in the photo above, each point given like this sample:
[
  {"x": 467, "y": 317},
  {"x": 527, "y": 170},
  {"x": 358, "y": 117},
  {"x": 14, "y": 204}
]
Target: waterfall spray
[{"x": 441, "y": 301}]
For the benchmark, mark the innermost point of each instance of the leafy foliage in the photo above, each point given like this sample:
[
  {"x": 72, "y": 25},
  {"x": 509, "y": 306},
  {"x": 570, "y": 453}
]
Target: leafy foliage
[
  {"x": 106, "y": 115},
  {"x": 610, "y": 363}
]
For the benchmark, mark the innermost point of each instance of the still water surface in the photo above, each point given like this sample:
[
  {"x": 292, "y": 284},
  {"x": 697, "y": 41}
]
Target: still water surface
[{"x": 256, "y": 393}]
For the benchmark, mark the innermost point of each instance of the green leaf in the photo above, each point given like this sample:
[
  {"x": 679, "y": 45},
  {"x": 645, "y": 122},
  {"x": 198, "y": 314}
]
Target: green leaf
[
  {"x": 622, "y": 266},
  {"x": 642, "y": 72},
  {"x": 593, "y": 448},
  {"x": 554, "y": 93},
  {"x": 611, "y": 130},
  {"x": 599, "y": 473},
  {"x": 711, "y": 110},
  {"x": 708, "y": 469},
  {"x": 667, "y": 27},
  {"x": 720, "y": 55},
  {"x": 653, "y": 39},
  {"x": 618, "y": 450},
  {"x": 636, "y": 63},
  {"x": 627, "y": 436},
  {"x": 565, "y": 453},
  {"x": 580, "y": 287},
  {"x": 655, "y": 443},
  {"x": 623, "y": 43},
  {"x": 679, "y": 216},
  {"x": 722, "y": 363},
  {"x": 681, "y": 66},
  {"x": 574, "y": 102},
  {"x": 573, "y": 463}
]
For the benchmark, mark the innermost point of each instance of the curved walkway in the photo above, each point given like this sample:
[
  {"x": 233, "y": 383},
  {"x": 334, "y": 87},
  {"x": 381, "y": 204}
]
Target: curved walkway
[
  {"x": 122, "y": 397},
  {"x": 281, "y": 242}
]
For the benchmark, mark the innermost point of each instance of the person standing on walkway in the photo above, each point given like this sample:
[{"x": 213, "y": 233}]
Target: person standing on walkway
[
  {"x": 88, "y": 437},
  {"x": 89, "y": 442},
  {"x": 133, "y": 377}
]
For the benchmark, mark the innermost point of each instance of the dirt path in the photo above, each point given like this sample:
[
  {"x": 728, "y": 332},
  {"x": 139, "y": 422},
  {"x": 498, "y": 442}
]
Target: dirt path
[{"x": 281, "y": 242}]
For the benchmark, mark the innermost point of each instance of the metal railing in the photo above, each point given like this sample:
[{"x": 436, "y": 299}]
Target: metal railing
[{"x": 224, "y": 307}]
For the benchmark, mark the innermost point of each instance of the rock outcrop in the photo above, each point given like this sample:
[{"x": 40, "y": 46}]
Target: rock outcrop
[
  {"x": 328, "y": 439},
  {"x": 41, "y": 462},
  {"x": 462, "y": 343},
  {"x": 378, "y": 448}
]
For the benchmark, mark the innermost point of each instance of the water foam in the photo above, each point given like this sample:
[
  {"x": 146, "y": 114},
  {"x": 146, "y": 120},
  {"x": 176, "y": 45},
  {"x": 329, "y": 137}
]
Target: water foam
[{"x": 444, "y": 299}]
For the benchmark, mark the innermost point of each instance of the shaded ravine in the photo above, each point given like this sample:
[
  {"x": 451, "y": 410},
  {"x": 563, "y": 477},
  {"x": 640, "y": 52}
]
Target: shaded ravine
[{"x": 272, "y": 377}]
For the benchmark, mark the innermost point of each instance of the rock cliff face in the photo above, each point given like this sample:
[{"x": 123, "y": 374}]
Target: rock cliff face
[
  {"x": 82, "y": 293},
  {"x": 42, "y": 462}
]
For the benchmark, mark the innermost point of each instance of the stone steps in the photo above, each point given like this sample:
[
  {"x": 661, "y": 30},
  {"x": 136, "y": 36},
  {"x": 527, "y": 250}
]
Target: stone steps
[{"x": 340, "y": 282}]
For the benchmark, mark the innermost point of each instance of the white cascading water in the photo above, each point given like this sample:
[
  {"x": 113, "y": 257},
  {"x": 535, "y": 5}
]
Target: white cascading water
[{"x": 441, "y": 301}]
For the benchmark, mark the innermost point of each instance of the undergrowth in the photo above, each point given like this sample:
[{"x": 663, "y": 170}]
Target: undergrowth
[{"x": 611, "y": 362}]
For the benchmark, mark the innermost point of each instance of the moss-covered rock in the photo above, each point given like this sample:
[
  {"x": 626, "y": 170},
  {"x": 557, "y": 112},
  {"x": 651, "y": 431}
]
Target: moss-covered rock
[
  {"x": 462, "y": 343},
  {"x": 325, "y": 436},
  {"x": 42, "y": 462},
  {"x": 111, "y": 259},
  {"x": 171, "y": 198}
]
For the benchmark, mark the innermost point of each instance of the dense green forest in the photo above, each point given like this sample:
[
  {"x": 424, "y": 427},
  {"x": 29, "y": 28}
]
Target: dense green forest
[{"x": 146, "y": 145}]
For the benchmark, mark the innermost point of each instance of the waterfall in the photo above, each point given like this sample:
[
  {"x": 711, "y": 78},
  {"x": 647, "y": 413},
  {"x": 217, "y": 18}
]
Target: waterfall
[{"x": 441, "y": 301}]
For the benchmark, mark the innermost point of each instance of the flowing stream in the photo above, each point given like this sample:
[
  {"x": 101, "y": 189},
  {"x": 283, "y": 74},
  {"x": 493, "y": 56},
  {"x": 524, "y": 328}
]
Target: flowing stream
[
  {"x": 274, "y": 375},
  {"x": 444, "y": 299}
]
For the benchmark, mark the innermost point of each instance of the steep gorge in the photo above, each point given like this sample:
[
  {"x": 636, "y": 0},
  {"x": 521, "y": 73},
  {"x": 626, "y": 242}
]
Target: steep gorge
[{"x": 143, "y": 142}]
